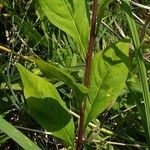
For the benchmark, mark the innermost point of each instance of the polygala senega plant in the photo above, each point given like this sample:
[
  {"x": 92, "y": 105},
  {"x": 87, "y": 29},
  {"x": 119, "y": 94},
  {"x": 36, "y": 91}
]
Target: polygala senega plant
[
  {"x": 87, "y": 71},
  {"x": 41, "y": 100}
]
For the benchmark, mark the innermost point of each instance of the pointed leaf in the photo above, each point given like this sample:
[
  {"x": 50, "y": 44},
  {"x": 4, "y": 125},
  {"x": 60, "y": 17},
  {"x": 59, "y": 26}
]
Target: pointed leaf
[
  {"x": 46, "y": 106},
  {"x": 108, "y": 75},
  {"x": 69, "y": 16},
  {"x": 50, "y": 71}
]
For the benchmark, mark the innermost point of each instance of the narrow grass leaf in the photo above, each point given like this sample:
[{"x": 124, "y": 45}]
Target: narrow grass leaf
[
  {"x": 139, "y": 56},
  {"x": 17, "y": 136},
  {"x": 102, "y": 8},
  {"x": 28, "y": 29}
]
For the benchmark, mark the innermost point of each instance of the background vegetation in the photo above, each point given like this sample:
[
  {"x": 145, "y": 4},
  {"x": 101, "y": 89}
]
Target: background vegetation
[{"x": 26, "y": 31}]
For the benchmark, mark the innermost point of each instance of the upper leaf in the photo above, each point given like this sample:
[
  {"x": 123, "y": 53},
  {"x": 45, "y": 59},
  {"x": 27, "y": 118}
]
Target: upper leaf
[
  {"x": 71, "y": 17},
  {"x": 109, "y": 71},
  {"x": 46, "y": 106}
]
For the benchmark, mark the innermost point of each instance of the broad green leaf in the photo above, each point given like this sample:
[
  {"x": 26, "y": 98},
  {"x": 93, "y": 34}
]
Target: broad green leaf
[
  {"x": 52, "y": 116},
  {"x": 50, "y": 71},
  {"x": 108, "y": 76},
  {"x": 16, "y": 135},
  {"x": 46, "y": 106},
  {"x": 69, "y": 16}
]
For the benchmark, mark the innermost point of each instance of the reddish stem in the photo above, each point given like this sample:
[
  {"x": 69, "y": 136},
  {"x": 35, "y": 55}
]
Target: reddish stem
[{"x": 87, "y": 71}]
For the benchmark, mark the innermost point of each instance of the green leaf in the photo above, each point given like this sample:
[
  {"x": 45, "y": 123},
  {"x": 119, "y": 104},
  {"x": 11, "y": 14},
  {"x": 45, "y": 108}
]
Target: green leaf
[
  {"x": 109, "y": 72},
  {"x": 16, "y": 135},
  {"x": 5, "y": 104},
  {"x": 141, "y": 64},
  {"x": 3, "y": 138},
  {"x": 133, "y": 84},
  {"x": 102, "y": 8},
  {"x": 52, "y": 116},
  {"x": 27, "y": 29},
  {"x": 47, "y": 107},
  {"x": 50, "y": 71},
  {"x": 69, "y": 16}
]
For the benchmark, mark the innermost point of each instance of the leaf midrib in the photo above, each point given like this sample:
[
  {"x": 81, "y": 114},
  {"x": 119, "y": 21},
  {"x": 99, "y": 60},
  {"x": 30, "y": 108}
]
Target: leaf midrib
[
  {"x": 98, "y": 91},
  {"x": 74, "y": 24},
  {"x": 101, "y": 82}
]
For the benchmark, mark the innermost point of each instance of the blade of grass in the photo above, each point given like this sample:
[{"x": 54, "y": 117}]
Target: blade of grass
[
  {"x": 17, "y": 136},
  {"x": 140, "y": 62},
  {"x": 101, "y": 10}
]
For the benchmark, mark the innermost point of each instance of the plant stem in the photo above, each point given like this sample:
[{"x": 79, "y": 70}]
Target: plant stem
[{"x": 87, "y": 71}]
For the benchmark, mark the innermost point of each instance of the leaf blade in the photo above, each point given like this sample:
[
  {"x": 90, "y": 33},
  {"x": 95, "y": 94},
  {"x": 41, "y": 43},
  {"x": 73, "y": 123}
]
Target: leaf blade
[
  {"x": 17, "y": 136},
  {"x": 46, "y": 106},
  {"x": 50, "y": 71},
  {"x": 69, "y": 16},
  {"x": 106, "y": 85}
]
